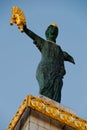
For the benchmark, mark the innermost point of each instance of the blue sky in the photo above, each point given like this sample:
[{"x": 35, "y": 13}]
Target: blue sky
[{"x": 19, "y": 57}]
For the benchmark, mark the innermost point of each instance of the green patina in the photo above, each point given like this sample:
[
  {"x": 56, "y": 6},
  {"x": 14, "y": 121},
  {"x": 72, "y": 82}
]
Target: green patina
[{"x": 51, "y": 70}]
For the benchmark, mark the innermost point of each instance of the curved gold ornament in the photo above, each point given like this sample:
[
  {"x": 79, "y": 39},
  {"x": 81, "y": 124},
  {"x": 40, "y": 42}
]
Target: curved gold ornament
[
  {"x": 49, "y": 110},
  {"x": 18, "y": 17}
]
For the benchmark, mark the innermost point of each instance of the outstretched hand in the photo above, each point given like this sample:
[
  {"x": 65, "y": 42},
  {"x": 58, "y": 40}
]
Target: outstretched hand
[
  {"x": 24, "y": 27},
  {"x": 18, "y": 18}
]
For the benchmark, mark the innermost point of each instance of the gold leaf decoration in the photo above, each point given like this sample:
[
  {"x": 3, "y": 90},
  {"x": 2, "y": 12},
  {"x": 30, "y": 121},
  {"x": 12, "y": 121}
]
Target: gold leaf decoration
[
  {"x": 50, "y": 111},
  {"x": 18, "y": 17}
]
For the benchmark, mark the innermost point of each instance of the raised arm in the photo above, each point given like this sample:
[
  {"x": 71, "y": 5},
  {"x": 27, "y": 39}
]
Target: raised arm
[
  {"x": 19, "y": 19},
  {"x": 37, "y": 40}
]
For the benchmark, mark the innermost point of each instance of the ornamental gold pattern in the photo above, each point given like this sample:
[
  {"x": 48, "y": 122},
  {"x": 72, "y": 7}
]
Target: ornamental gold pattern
[
  {"x": 18, "y": 17},
  {"x": 49, "y": 110}
]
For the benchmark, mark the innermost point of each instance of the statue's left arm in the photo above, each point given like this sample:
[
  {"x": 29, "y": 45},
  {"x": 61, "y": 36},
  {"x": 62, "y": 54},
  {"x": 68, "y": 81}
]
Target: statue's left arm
[{"x": 68, "y": 57}]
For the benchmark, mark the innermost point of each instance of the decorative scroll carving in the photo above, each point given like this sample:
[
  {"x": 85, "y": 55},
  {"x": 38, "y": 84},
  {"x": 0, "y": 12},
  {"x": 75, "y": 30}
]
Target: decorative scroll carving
[{"x": 49, "y": 110}]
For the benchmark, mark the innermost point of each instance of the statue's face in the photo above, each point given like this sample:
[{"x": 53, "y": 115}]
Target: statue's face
[{"x": 51, "y": 33}]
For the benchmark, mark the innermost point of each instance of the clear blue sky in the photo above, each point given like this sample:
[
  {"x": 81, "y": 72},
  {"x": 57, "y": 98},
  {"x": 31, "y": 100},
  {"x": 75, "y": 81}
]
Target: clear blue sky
[{"x": 19, "y": 57}]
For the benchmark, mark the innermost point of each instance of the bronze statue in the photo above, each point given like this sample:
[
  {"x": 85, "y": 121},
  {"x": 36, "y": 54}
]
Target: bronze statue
[{"x": 51, "y": 69}]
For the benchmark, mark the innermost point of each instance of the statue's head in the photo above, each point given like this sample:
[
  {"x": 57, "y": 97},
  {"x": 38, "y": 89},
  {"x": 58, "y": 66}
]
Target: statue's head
[{"x": 51, "y": 32}]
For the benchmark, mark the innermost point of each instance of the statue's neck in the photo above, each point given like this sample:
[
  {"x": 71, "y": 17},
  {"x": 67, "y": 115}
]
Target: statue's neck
[{"x": 51, "y": 41}]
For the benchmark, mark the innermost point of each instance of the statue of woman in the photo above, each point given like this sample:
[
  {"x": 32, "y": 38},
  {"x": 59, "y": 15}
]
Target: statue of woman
[{"x": 51, "y": 70}]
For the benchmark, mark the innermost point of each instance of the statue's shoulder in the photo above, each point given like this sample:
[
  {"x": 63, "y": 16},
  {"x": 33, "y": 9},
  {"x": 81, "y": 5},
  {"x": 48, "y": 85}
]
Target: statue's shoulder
[{"x": 59, "y": 47}]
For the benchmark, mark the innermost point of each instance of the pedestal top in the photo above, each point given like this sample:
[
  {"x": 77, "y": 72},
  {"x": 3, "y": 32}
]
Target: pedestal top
[{"x": 48, "y": 108}]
